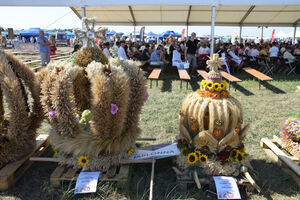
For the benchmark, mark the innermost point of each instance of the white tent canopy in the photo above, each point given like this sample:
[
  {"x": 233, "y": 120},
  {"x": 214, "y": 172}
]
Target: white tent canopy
[
  {"x": 178, "y": 12},
  {"x": 287, "y": 16}
]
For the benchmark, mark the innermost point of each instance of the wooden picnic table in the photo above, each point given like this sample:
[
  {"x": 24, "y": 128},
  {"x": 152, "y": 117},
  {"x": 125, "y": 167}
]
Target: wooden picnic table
[
  {"x": 260, "y": 76},
  {"x": 202, "y": 73},
  {"x": 154, "y": 75},
  {"x": 183, "y": 75},
  {"x": 230, "y": 78}
]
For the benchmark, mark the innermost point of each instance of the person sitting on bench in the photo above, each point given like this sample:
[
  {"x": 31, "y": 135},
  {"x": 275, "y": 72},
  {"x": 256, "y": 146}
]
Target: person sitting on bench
[
  {"x": 176, "y": 59},
  {"x": 157, "y": 59}
]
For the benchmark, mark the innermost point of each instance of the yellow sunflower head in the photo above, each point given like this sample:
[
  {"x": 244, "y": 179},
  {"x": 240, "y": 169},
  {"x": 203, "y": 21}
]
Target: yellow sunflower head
[
  {"x": 203, "y": 83},
  {"x": 55, "y": 153},
  {"x": 198, "y": 153},
  {"x": 217, "y": 86},
  {"x": 233, "y": 153},
  {"x": 130, "y": 152},
  {"x": 191, "y": 158},
  {"x": 203, "y": 158},
  {"x": 183, "y": 150},
  {"x": 225, "y": 83},
  {"x": 83, "y": 160},
  {"x": 209, "y": 85},
  {"x": 222, "y": 86},
  {"x": 240, "y": 156}
]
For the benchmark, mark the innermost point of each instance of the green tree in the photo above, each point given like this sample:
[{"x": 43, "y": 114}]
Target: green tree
[{"x": 1, "y": 29}]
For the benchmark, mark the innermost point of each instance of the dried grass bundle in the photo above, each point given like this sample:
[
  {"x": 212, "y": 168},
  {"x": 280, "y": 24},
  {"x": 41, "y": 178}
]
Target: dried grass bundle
[{"x": 86, "y": 55}]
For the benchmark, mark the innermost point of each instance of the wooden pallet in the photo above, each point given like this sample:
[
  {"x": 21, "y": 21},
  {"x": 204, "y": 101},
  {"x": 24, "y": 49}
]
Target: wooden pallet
[
  {"x": 184, "y": 180},
  {"x": 64, "y": 173},
  {"x": 12, "y": 172},
  {"x": 289, "y": 163}
]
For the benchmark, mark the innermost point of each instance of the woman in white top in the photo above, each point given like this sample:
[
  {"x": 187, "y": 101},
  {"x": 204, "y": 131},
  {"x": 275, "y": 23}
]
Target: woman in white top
[{"x": 176, "y": 60}]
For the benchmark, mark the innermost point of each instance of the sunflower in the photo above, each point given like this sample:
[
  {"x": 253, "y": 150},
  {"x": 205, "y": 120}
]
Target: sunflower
[
  {"x": 203, "y": 158},
  {"x": 191, "y": 158},
  {"x": 130, "y": 152},
  {"x": 217, "y": 86},
  {"x": 83, "y": 160},
  {"x": 225, "y": 83},
  {"x": 210, "y": 85},
  {"x": 183, "y": 150},
  {"x": 55, "y": 153},
  {"x": 198, "y": 153},
  {"x": 222, "y": 86},
  {"x": 240, "y": 156},
  {"x": 233, "y": 153},
  {"x": 203, "y": 83},
  {"x": 229, "y": 159},
  {"x": 243, "y": 150}
]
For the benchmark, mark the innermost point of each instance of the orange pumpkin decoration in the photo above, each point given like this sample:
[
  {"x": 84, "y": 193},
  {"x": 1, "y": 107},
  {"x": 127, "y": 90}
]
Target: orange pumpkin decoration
[
  {"x": 217, "y": 132},
  {"x": 215, "y": 95},
  {"x": 225, "y": 94},
  {"x": 201, "y": 92},
  {"x": 207, "y": 94}
]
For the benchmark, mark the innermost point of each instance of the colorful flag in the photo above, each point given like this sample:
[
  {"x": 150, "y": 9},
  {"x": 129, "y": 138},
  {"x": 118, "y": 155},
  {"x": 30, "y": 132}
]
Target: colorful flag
[
  {"x": 142, "y": 33},
  {"x": 272, "y": 38},
  {"x": 98, "y": 41},
  {"x": 182, "y": 35}
]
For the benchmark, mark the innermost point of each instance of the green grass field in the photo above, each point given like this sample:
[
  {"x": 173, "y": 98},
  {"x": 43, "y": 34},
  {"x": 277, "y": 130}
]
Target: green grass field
[{"x": 264, "y": 109}]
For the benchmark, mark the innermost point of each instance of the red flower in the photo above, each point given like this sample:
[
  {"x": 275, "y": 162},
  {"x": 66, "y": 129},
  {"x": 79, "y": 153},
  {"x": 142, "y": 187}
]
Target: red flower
[
  {"x": 107, "y": 71},
  {"x": 179, "y": 141},
  {"x": 222, "y": 157}
]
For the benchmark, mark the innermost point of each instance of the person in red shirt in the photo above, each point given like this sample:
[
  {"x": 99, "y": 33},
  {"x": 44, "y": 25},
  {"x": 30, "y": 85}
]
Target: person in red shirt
[{"x": 52, "y": 46}]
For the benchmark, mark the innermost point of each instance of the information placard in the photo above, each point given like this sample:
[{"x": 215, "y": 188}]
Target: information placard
[
  {"x": 167, "y": 151},
  {"x": 227, "y": 187},
  {"x": 86, "y": 182}
]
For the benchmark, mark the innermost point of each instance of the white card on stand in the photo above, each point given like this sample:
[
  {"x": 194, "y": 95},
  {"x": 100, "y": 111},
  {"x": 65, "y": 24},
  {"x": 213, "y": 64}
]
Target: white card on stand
[
  {"x": 227, "y": 187},
  {"x": 87, "y": 182}
]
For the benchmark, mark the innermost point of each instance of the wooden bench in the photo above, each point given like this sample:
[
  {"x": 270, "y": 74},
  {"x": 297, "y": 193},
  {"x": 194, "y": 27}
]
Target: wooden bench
[
  {"x": 183, "y": 75},
  {"x": 230, "y": 78},
  {"x": 260, "y": 76},
  {"x": 154, "y": 75},
  {"x": 202, "y": 73}
]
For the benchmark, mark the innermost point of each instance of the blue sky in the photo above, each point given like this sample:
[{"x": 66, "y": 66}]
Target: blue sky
[{"x": 63, "y": 17}]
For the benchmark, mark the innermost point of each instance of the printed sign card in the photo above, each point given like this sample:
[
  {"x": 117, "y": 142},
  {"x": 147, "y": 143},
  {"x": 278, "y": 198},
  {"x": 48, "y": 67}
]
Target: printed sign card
[
  {"x": 166, "y": 151},
  {"x": 87, "y": 182},
  {"x": 227, "y": 187}
]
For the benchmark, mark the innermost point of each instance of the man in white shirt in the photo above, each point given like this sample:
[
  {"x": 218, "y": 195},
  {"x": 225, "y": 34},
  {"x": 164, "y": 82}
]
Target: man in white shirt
[
  {"x": 106, "y": 49},
  {"x": 288, "y": 56},
  {"x": 273, "y": 51},
  {"x": 204, "y": 50},
  {"x": 254, "y": 52},
  {"x": 176, "y": 59},
  {"x": 121, "y": 51}
]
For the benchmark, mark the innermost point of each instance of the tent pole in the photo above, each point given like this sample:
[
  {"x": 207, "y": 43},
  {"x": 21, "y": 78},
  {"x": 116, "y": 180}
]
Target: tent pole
[
  {"x": 212, "y": 32},
  {"x": 187, "y": 32},
  {"x": 134, "y": 30},
  {"x": 240, "y": 34},
  {"x": 294, "y": 36},
  {"x": 83, "y": 14},
  {"x": 262, "y": 32}
]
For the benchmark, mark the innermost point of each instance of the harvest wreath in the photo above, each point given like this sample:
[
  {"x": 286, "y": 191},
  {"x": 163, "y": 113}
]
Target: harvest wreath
[
  {"x": 18, "y": 129},
  {"x": 93, "y": 104},
  {"x": 211, "y": 130}
]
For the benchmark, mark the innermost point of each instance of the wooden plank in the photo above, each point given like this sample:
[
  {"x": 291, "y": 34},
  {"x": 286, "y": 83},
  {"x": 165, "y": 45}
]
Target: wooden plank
[
  {"x": 229, "y": 77},
  {"x": 155, "y": 74},
  {"x": 70, "y": 174},
  {"x": 12, "y": 172},
  {"x": 44, "y": 159},
  {"x": 146, "y": 139},
  {"x": 257, "y": 74},
  {"x": 202, "y": 73},
  {"x": 57, "y": 173},
  {"x": 282, "y": 156},
  {"x": 183, "y": 74}
]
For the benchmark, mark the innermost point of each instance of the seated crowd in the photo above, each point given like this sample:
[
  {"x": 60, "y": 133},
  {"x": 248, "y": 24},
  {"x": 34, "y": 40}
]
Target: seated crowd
[{"x": 193, "y": 54}]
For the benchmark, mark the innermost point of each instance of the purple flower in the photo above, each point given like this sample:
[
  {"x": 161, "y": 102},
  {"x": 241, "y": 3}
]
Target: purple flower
[
  {"x": 147, "y": 96},
  {"x": 51, "y": 113},
  {"x": 113, "y": 108}
]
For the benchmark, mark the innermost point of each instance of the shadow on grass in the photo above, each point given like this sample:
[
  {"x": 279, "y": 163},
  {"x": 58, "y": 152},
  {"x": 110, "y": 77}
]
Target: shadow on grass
[
  {"x": 194, "y": 84},
  {"x": 272, "y": 88},
  {"x": 241, "y": 89},
  {"x": 166, "y": 85},
  {"x": 272, "y": 179}
]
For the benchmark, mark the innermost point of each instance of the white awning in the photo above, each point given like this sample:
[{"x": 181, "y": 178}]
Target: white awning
[
  {"x": 179, "y": 12},
  {"x": 194, "y": 15}
]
